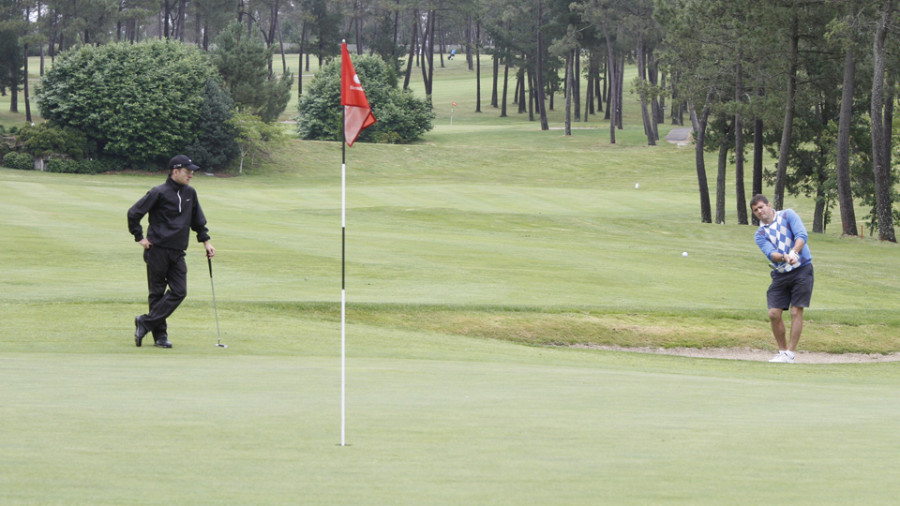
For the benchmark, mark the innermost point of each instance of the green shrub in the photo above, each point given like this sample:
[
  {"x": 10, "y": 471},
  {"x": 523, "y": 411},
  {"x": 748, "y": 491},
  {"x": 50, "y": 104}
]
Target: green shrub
[
  {"x": 82, "y": 166},
  {"x": 21, "y": 161},
  {"x": 137, "y": 102},
  {"x": 47, "y": 139},
  {"x": 215, "y": 143},
  {"x": 401, "y": 117}
]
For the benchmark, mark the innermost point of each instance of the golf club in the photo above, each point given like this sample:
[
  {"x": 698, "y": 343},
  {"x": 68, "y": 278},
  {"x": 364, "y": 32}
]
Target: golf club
[{"x": 216, "y": 309}]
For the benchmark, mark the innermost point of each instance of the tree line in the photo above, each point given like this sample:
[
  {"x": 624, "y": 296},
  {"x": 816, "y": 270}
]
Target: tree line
[{"x": 810, "y": 83}]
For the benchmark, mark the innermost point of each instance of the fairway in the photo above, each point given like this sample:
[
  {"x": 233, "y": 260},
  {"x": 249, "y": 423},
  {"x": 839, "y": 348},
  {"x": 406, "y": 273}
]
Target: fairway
[{"x": 485, "y": 266}]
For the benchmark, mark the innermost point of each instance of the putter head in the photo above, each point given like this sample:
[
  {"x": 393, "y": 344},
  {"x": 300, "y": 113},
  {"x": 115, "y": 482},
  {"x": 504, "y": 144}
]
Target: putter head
[{"x": 220, "y": 345}]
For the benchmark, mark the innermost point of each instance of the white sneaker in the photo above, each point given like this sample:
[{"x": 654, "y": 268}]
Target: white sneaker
[{"x": 783, "y": 357}]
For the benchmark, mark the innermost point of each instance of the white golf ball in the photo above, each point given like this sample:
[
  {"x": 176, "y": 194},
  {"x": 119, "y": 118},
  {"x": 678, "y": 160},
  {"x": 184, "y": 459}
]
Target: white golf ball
[
  {"x": 637, "y": 185},
  {"x": 684, "y": 253}
]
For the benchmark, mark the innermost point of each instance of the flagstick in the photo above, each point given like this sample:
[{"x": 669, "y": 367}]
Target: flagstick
[
  {"x": 343, "y": 277},
  {"x": 352, "y": 95}
]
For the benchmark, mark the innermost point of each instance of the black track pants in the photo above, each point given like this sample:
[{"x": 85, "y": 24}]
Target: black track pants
[{"x": 165, "y": 267}]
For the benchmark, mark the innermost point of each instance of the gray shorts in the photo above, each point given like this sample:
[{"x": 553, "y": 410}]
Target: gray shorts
[{"x": 793, "y": 288}]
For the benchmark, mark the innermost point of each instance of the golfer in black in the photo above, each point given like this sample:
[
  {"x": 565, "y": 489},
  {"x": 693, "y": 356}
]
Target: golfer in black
[{"x": 174, "y": 211}]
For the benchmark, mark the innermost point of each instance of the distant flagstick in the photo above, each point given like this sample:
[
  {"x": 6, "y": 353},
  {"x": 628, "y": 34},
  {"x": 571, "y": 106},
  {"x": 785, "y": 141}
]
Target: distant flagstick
[{"x": 354, "y": 102}]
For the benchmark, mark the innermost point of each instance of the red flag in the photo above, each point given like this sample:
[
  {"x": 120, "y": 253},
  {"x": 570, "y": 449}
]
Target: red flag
[{"x": 357, "y": 113}]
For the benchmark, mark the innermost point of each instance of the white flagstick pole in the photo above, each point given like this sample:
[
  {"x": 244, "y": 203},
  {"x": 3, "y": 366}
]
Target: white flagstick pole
[
  {"x": 343, "y": 307},
  {"x": 343, "y": 277}
]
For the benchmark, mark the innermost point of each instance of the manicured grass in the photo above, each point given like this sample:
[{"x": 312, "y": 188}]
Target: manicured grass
[
  {"x": 467, "y": 255},
  {"x": 453, "y": 421}
]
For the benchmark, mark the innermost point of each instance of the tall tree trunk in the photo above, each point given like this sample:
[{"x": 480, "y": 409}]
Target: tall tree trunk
[
  {"x": 520, "y": 88},
  {"x": 414, "y": 36},
  {"x": 598, "y": 86},
  {"x": 820, "y": 209},
  {"x": 549, "y": 96},
  {"x": 428, "y": 53},
  {"x": 883, "y": 205},
  {"x": 741, "y": 197},
  {"x": 658, "y": 80},
  {"x": 612, "y": 105},
  {"x": 179, "y": 23},
  {"x": 539, "y": 69},
  {"x": 589, "y": 98},
  {"x": 273, "y": 24},
  {"x": 889, "y": 96},
  {"x": 642, "y": 73},
  {"x": 442, "y": 48},
  {"x": 505, "y": 83},
  {"x": 576, "y": 83},
  {"x": 787, "y": 130},
  {"x": 702, "y": 184},
  {"x": 300, "y": 61},
  {"x": 281, "y": 49},
  {"x": 530, "y": 79},
  {"x": 607, "y": 79},
  {"x": 845, "y": 195},
  {"x": 470, "y": 47},
  {"x": 358, "y": 26},
  {"x": 677, "y": 113},
  {"x": 14, "y": 96},
  {"x": 477, "y": 66},
  {"x": 758, "y": 153},
  {"x": 396, "y": 38},
  {"x": 620, "y": 91},
  {"x": 721, "y": 174},
  {"x": 569, "y": 84},
  {"x": 495, "y": 78},
  {"x": 167, "y": 14},
  {"x": 25, "y": 86}
]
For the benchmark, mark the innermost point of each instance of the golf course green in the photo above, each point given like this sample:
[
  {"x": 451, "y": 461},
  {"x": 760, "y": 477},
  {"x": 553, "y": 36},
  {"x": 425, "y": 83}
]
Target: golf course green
[{"x": 486, "y": 267}]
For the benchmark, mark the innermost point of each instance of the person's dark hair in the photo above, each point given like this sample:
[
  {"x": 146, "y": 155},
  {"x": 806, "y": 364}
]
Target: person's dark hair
[{"x": 759, "y": 197}]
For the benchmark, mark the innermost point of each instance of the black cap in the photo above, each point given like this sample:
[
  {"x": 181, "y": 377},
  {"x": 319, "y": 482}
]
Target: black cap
[{"x": 182, "y": 162}]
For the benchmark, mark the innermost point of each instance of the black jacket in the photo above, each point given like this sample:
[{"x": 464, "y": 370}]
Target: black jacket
[{"x": 174, "y": 211}]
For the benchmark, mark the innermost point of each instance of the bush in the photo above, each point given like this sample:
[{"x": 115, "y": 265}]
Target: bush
[
  {"x": 215, "y": 142},
  {"x": 47, "y": 139},
  {"x": 82, "y": 166},
  {"x": 21, "y": 161},
  {"x": 254, "y": 137},
  {"x": 401, "y": 117},
  {"x": 137, "y": 102}
]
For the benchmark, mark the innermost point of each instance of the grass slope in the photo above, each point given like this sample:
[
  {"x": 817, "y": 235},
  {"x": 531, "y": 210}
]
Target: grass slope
[{"x": 488, "y": 235}]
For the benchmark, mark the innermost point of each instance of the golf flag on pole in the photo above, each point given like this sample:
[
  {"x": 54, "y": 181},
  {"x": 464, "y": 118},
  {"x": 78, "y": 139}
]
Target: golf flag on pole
[
  {"x": 357, "y": 116},
  {"x": 357, "y": 113}
]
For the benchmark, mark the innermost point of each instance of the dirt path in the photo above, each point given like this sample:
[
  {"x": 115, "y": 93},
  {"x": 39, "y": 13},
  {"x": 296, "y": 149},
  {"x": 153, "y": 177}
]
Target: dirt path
[{"x": 803, "y": 357}]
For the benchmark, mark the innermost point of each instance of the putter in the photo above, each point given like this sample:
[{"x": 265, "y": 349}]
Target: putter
[{"x": 216, "y": 309}]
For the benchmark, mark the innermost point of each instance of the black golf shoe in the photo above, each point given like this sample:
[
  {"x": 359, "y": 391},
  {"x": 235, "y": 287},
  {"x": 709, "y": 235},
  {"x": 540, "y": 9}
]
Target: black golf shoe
[
  {"x": 139, "y": 330},
  {"x": 163, "y": 343}
]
